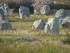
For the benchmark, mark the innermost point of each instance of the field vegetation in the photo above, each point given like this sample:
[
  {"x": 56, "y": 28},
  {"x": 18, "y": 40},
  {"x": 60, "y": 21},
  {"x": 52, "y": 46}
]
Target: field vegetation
[{"x": 22, "y": 28}]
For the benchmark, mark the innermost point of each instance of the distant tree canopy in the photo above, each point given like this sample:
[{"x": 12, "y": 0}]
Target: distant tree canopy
[
  {"x": 35, "y": 3},
  {"x": 39, "y": 3},
  {"x": 16, "y": 3},
  {"x": 23, "y": 2}
]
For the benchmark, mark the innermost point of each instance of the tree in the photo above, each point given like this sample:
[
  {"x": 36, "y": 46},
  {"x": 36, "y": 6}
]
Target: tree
[{"x": 37, "y": 4}]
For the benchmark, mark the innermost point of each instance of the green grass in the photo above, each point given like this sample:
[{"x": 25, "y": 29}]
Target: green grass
[{"x": 22, "y": 28}]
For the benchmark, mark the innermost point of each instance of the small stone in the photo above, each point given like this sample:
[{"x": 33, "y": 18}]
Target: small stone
[{"x": 39, "y": 24}]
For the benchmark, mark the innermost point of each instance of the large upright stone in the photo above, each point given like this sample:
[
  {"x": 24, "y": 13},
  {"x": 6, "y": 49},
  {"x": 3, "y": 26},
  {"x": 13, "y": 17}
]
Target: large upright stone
[
  {"x": 6, "y": 9},
  {"x": 45, "y": 9},
  {"x": 52, "y": 26},
  {"x": 5, "y": 25},
  {"x": 2, "y": 16},
  {"x": 39, "y": 24},
  {"x": 61, "y": 14},
  {"x": 24, "y": 12},
  {"x": 66, "y": 22}
]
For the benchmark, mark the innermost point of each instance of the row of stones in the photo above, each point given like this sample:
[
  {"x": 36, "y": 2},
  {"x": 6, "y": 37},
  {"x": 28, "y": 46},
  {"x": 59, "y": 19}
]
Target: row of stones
[{"x": 51, "y": 26}]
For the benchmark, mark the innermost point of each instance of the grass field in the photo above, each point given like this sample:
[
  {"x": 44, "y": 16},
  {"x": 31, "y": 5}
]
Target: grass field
[{"x": 22, "y": 28}]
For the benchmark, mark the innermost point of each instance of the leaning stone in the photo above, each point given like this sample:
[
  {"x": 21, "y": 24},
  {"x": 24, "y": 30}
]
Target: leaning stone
[
  {"x": 24, "y": 12},
  {"x": 52, "y": 26},
  {"x": 66, "y": 22},
  {"x": 61, "y": 14},
  {"x": 39, "y": 24},
  {"x": 45, "y": 9}
]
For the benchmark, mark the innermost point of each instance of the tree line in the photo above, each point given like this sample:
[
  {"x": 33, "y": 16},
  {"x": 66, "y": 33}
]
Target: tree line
[{"x": 36, "y": 3}]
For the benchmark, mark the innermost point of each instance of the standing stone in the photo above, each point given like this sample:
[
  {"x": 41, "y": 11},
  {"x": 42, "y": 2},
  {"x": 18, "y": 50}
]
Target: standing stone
[
  {"x": 66, "y": 22},
  {"x": 61, "y": 14},
  {"x": 6, "y": 9},
  {"x": 1, "y": 5},
  {"x": 39, "y": 24},
  {"x": 45, "y": 9},
  {"x": 5, "y": 25},
  {"x": 52, "y": 26},
  {"x": 2, "y": 16},
  {"x": 24, "y": 12}
]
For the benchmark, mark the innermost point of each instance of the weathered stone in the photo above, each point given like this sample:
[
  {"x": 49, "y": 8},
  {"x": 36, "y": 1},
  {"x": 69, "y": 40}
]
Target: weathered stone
[
  {"x": 52, "y": 26},
  {"x": 6, "y": 9},
  {"x": 45, "y": 9},
  {"x": 66, "y": 22},
  {"x": 5, "y": 25},
  {"x": 39, "y": 24},
  {"x": 24, "y": 12},
  {"x": 61, "y": 14},
  {"x": 2, "y": 16}
]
